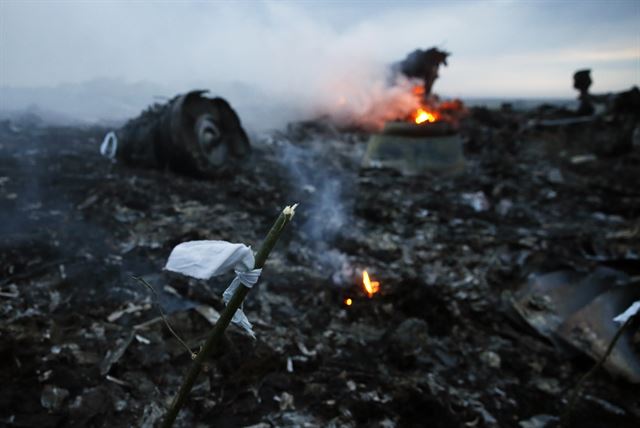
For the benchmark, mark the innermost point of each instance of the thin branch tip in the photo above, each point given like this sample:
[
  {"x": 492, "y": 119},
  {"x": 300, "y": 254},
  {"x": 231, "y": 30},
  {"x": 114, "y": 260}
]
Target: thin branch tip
[{"x": 290, "y": 211}]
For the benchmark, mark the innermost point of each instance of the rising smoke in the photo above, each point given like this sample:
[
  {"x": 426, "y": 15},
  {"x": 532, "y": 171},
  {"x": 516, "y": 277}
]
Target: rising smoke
[
  {"x": 282, "y": 61},
  {"x": 319, "y": 181},
  {"x": 275, "y": 62}
]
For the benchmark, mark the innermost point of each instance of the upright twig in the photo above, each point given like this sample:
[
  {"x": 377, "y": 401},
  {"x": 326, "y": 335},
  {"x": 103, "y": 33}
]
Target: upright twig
[
  {"x": 216, "y": 333},
  {"x": 156, "y": 301},
  {"x": 565, "y": 420}
]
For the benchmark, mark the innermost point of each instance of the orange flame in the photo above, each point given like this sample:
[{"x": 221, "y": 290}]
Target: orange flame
[
  {"x": 421, "y": 115},
  {"x": 371, "y": 287},
  {"x": 348, "y": 301}
]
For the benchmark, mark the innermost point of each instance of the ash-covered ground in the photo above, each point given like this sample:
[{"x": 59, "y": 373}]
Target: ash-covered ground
[{"x": 82, "y": 344}]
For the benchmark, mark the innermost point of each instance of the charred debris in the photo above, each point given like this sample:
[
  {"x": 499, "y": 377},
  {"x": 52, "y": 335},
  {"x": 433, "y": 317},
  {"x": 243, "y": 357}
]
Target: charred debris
[
  {"x": 190, "y": 134},
  {"x": 491, "y": 280}
]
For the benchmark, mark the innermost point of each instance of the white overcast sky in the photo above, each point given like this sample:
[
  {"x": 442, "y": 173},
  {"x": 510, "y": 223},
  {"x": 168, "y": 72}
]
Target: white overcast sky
[{"x": 499, "y": 48}]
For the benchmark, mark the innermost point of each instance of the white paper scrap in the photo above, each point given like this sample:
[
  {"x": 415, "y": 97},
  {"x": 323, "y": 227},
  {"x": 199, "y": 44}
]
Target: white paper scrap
[{"x": 631, "y": 311}]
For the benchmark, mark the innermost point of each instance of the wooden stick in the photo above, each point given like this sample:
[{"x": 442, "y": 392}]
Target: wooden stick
[{"x": 216, "y": 333}]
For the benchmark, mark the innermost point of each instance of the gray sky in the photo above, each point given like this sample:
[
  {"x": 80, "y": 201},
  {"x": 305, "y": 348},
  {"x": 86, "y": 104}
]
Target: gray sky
[{"x": 303, "y": 49}]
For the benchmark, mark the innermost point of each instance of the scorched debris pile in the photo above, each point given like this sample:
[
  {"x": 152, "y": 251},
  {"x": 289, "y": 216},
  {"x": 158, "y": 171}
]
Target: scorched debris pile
[{"x": 436, "y": 342}]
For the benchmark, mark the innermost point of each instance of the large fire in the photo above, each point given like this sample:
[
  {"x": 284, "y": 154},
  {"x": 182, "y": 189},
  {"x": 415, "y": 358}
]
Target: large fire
[
  {"x": 421, "y": 116},
  {"x": 371, "y": 287}
]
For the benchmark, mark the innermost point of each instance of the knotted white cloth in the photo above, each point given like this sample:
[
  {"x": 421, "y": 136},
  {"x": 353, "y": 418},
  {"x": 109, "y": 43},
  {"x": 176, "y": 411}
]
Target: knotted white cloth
[
  {"x": 248, "y": 279},
  {"x": 204, "y": 259}
]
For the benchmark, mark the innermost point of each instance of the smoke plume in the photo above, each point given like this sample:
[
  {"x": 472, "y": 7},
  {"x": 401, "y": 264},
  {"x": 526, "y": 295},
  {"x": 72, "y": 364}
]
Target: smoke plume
[{"x": 282, "y": 61}]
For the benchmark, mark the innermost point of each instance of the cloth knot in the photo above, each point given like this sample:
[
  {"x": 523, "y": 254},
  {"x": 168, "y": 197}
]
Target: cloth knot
[{"x": 248, "y": 278}]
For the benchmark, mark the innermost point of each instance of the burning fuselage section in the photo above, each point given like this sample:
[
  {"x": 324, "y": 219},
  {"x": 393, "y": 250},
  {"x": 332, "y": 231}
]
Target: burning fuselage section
[
  {"x": 426, "y": 139},
  {"x": 415, "y": 149}
]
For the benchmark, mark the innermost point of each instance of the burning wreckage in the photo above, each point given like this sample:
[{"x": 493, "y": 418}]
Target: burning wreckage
[{"x": 418, "y": 286}]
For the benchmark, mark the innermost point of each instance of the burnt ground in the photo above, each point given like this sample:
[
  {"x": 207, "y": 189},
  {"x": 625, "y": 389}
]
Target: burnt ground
[{"x": 81, "y": 343}]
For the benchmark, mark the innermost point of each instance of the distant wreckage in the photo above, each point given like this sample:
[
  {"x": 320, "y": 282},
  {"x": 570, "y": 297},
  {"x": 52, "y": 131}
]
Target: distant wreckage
[{"x": 191, "y": 134}]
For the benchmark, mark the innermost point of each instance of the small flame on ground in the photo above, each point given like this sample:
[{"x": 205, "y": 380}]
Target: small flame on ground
[
  {"x": 348, "y": 301},
  {"x": 421, "y": 116},
  {"x": 371, "y": 287}
]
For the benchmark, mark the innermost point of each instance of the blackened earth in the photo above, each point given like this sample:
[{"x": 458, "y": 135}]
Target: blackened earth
[{"x": 81, "y": 343}]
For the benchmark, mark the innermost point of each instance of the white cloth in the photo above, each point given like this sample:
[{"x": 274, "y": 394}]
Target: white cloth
[
  {"x": 631, "y": 311},
  {"x": 204, "y": 259}
]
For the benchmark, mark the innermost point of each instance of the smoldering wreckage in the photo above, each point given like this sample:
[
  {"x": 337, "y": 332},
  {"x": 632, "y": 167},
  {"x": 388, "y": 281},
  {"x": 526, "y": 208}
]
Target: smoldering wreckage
[{"x": 498, "y": 246}]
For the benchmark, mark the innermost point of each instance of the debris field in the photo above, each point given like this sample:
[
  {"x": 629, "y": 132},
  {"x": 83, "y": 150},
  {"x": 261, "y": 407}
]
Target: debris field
[{"x": 82, "y": 344}]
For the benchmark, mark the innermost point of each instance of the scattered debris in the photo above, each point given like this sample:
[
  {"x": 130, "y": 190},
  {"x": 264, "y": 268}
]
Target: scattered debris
[
  {"x": 285, "y": 401},
  {"x": 151, "y": 416},
  {"x": 478, "y": 201},
  {"x": 421, "y": 351},
  {"x": 114, "y": 355},
  {"x": 539, "y": 421},
  {"x": 580, "y": 309},
  {"x": 491, "y": 359},
  {"x": 53, "y": 397}
]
